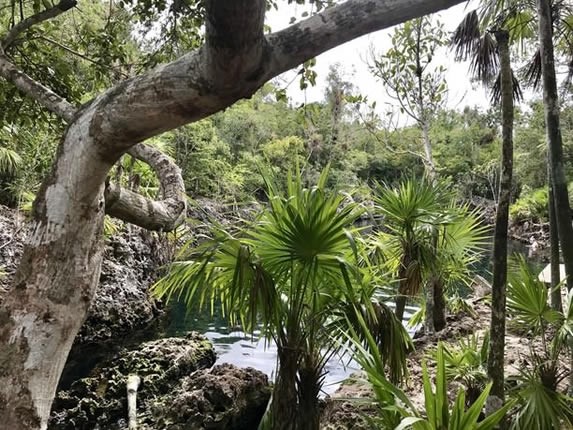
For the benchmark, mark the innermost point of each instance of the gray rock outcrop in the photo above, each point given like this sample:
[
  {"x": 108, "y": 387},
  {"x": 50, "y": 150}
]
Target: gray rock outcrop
[{"x": 179, "y": 391}]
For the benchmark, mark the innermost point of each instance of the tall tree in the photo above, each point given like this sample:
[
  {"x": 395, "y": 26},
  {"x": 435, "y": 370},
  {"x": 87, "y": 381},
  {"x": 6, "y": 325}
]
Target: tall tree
[
  {"x": 554, "y": 139},
  {"x": 490, "y": 57},
  {"x": 411, "y": 77},
  {"x": 495, "y": 363},
  {"x": 59, "y": 271}
]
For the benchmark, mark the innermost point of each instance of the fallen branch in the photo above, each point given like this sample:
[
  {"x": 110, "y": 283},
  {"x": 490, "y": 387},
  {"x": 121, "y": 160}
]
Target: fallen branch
[{"x": 133, "y": 382}]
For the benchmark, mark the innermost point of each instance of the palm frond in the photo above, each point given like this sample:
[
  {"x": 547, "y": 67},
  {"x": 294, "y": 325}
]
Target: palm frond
[
  {"x": 377, "y": 320},
  {"x": 527, "y": 302},
  {"x": 496, "y": 89},
  {"x": 10, "y": 161},
  {"x": 539, "y": 407},
  {"x": 532, "y": 71},
  {"x": 484, "y": 64},
  {"x": 466, "y": 37}
]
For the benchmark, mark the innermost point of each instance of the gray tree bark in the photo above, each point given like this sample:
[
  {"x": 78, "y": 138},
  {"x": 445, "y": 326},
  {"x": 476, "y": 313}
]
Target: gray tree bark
[
  {"x": 60, "y": 267},
  {"x": 556, "y": 299},
  {"x": 495, "y": 363}
]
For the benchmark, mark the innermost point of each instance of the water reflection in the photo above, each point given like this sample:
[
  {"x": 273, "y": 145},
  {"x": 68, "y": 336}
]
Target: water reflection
[{"x": 241, "y": 349}]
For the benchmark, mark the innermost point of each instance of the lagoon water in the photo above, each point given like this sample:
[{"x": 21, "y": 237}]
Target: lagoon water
[
  {"x": 236, "y": 347},
  {"x": 241, "y": 349}
]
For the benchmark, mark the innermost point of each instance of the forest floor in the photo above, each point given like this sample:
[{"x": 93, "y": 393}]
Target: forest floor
[{"x": 347, "y": 406}]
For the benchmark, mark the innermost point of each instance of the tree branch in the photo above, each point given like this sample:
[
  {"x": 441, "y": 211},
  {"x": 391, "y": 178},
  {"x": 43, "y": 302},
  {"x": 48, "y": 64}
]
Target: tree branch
[
  {"x": 342, "y": 23},
  {"x": 24, "y": 25},
  {"x": 230, "y": 66},
  {"x": 132, "y": 207},
  {"x": 35, "y": 90}
]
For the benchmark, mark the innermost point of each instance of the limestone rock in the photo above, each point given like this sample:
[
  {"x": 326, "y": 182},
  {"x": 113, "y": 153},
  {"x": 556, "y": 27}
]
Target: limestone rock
[
  {"x": 99, "y": 401},
  {"x": 179, "y": 391},
  {"x": 222, "y": 398}
]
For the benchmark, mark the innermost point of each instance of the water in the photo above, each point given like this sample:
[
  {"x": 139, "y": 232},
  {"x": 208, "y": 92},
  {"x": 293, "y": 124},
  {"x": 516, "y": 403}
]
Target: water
[{"x": 241, "y": 349}]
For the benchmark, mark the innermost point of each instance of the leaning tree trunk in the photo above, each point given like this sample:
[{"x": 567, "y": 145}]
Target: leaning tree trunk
[
  {"x": 54, "y": 284},
  {"x": 554, "y": 139},
  {"x": 495, "y": 363}
]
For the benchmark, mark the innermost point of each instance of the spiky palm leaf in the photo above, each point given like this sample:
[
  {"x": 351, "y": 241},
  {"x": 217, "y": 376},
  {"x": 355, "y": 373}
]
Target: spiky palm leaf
[
  {"x": 539, "y": 406},
  {"x": 396, "y": 411},
  {"x": 426, "y": 232},
  {"x": 411, "y": 212},
  {"x": 527, "y": 303},
  {"x": 532, "y": 71},
  {"x": 496, "y": 89},
  {"x": 293, "y": 272},
  {"x": 474, "y": 40}
]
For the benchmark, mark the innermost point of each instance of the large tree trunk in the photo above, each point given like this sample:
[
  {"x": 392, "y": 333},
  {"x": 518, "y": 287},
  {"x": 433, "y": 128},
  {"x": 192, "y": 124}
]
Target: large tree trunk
[
  {"x": 495, "y": 363},
  {"x": 60, "y": 266},
  {"x": 554, "y": 139},
  {"x": 54, "y": 285}
]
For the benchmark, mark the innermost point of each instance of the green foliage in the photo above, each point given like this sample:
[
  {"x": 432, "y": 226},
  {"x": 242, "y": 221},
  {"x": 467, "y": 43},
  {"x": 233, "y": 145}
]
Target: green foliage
[
  {"x": 540, "y": 403},
  {"x": 293, "y": 273},
  {"x": 540, "y": 406},
  {"x": 395, "y": 410},
  {"x": 532, "y": 205},
  {"x": 425, "y": 233},
  {"x": 407, "y": 69},
  {"x": 440, "y": 414},
  {"x": 466, "y": 362},
  {"x": 10, "y": 162},
  {"x": 527, "y": 300}
]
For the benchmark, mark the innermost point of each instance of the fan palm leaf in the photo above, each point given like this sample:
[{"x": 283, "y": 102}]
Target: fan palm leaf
[{"x": 292, "y": 272}]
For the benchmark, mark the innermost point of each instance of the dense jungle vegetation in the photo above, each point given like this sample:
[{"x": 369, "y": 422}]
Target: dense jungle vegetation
[{"x": 119, "y": 112}]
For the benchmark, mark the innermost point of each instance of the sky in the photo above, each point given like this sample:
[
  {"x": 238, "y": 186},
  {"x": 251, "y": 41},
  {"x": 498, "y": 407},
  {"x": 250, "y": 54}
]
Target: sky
[{"x": 351, "y": 56}]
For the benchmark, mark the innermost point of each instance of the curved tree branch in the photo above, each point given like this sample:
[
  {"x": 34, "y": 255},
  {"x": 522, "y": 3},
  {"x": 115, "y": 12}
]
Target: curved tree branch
[
  {"x": 123, "y": 204},
  {"x": 24, "y": 25},
  {"x": 132, "y": 207},
  {"x": 230, "y": 67},
  {"x": 235, "y": 62}
]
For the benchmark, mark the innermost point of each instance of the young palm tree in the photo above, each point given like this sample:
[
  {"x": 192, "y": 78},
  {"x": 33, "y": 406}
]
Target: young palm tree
[
  {"x": 541, "y": 405},
  {"x": 295, "y": 273},
  {"x": 426, "y": 242}
]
